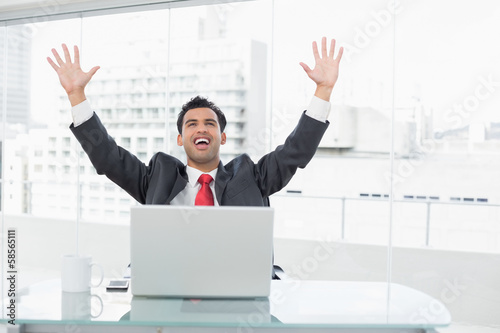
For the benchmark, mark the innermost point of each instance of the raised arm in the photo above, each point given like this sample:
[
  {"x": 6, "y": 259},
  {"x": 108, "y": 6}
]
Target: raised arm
[
  {"x": 326, "y": 69},
  {"x": 71, "y": 76}
]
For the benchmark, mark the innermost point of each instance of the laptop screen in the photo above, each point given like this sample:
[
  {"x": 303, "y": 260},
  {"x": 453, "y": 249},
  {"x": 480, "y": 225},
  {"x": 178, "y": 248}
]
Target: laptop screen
[{"x": 199, "y": 251}]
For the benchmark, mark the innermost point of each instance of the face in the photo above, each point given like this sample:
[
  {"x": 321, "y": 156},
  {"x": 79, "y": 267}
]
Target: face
[{"x": 201, "y": 138}]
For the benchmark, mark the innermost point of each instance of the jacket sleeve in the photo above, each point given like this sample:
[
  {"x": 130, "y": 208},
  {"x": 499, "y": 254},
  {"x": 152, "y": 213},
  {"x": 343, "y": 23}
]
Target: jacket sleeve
[
  {"x": 117, "y": 163},
  {"x": 274, "y": 170}
]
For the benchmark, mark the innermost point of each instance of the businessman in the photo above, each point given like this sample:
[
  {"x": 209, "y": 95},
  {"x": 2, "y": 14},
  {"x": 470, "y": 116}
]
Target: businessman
[{"x": 204, "y": 180}]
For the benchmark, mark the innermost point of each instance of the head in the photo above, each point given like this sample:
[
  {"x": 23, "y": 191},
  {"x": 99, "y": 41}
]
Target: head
[
  {"x": 201, "y": 102},
  {"x": 201, "y": 131}
]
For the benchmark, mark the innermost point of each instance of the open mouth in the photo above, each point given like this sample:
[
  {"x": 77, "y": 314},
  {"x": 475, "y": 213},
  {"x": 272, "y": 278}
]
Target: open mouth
[{"x": 201, "y": 142}]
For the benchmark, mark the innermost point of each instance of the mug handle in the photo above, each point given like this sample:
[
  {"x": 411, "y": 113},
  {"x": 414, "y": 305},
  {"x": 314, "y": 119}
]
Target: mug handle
[
  {"x": 101, "y": 304},
  {"x": 102, "y": 274}
]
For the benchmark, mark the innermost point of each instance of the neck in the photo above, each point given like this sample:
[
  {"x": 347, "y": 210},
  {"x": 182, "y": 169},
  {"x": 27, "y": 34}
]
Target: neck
[{"x": 204, "y": 167}]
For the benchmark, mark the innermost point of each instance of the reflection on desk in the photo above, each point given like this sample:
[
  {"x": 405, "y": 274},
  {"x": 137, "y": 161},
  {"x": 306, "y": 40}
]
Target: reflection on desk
[
  {"x": 293, "y": 304},
  {"x": 352, "y": 303},
  {"x": 45, "y": 301},
  {"x": 239, "y": 311}
]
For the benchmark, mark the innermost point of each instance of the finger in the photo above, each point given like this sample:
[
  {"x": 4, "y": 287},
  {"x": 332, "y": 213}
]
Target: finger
[
  {"x": 323, "y": 47},
  {"x": 315, "y": 51},
  {"x": 66, "y": 54},
  {"x": 58, "y": 58},
  {"x": 93, "y": 70},
  {"x": 306, "y": 68},
  {"x": 332, "y": 49},
  {"x": 53, "y": 64},
  {"x": 339, "y": 55},
  {"x": 77, "y": 54}
]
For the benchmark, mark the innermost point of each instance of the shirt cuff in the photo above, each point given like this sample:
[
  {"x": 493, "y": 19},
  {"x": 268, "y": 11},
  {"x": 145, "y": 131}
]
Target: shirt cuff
[
  {"x": 81, "y": 113},
  {"x": 318, "y": 109}
]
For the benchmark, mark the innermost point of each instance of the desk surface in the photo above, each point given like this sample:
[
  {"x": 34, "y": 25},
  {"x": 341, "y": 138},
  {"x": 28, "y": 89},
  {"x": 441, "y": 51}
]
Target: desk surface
[{"x": 292, "y": 304}]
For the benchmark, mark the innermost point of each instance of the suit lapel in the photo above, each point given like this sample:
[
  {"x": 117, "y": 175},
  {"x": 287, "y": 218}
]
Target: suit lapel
[
  {"x": 179, "y": 184},
  {"x": 221, "y": 181}
]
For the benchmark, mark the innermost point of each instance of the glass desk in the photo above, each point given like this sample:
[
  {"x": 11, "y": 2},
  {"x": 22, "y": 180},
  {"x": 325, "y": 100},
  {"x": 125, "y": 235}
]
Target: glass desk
[{"x": 293, "y": 306}]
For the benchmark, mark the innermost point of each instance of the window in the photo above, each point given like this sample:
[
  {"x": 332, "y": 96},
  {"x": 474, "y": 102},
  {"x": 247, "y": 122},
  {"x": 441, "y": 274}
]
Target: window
[
  {"x": 142, "y": 156},
  {"x": 411, "y": 157},
  {"x": 52, "y": 142},
  {"x": 106, "y": 113},
  {"x": 109, "y": 187},
  {"x": 125, "y": 142},
  {"x": 214, "y": 53},
  {"x": 66, "y": 142},
  {"x": 142, "y": 143},
  {"x": 158, "y": 143}
]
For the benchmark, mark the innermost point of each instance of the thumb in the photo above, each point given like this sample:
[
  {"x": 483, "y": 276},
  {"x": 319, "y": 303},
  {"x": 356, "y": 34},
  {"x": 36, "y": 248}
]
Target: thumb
[
  {"x": 93, "y": 70},
  {"x": 305, "y": 67}
]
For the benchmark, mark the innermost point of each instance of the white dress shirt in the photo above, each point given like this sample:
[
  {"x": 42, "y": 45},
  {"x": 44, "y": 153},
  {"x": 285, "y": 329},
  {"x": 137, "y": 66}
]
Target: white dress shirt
[
  {"x": 187, "y": 196},
  {"x": 318, "y": 109}
]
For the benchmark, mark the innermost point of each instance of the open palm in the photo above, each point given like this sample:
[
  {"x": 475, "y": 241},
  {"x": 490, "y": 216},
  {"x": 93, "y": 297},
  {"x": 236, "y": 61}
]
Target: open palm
[
  {"x": 326, "y": 69},
  {"x": 71, "y": 76}
]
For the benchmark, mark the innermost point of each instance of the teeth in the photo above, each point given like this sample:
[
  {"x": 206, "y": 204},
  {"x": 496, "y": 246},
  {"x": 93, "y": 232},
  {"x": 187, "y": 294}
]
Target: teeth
[{"x": 201, "y": 140}]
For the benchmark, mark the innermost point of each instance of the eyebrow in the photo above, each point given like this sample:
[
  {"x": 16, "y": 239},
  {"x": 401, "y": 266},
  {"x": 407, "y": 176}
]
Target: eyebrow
[{"x": 196, "y": 120}]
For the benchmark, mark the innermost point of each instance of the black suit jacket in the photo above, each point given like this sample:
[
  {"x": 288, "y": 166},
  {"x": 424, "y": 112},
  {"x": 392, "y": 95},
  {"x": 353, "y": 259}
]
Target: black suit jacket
[{"x": 241, "y": 182}]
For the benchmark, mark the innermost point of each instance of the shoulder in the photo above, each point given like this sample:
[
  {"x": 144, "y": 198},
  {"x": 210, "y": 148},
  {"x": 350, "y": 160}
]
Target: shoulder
[
  {"x": 166, "y": 159},
  {"x": 238, "y": 161},
  {"x": 240, "y": 164}
]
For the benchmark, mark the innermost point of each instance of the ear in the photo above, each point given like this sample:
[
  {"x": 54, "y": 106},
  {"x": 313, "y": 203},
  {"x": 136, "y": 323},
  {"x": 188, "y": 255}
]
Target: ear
[
  {"x": 179, "y": 140},
  {"x": 223, "y": 138}
]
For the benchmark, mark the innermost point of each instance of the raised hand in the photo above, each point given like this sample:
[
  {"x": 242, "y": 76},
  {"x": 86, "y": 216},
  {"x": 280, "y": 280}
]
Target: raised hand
[
  {"x": 71, "y": 76},
  {"x": 326, "y": 69}
]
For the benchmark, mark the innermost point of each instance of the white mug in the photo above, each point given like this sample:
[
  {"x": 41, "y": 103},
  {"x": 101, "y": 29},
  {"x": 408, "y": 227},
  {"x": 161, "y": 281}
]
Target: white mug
[
  {"x": 76, "y": 273},
  {"x": 80, "y": 306}
]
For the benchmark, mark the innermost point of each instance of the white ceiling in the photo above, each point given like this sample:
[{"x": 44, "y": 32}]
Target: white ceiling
[
  {"x": 28, "y": 9},
  {"x": 16, "y": 5}
]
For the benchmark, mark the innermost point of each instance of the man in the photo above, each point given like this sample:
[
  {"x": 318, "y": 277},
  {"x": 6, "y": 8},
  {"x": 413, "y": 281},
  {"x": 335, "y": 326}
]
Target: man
[
  {"x": 166, "y": 180},
  {"x": 204, "y": 180}
]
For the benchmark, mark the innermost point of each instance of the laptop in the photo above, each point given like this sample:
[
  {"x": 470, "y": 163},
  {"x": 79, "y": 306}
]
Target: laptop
[{"x": 201, "y": 252}]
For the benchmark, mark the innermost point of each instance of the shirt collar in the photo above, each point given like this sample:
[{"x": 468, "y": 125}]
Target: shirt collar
[{"x": 194, "y": 174}]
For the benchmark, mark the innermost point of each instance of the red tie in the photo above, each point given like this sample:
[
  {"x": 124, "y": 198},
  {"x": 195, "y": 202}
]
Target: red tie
[{"x": 205, "y": 196}]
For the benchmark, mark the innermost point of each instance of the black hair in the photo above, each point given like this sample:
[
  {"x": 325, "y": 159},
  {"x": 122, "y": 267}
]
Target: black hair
[{"x": 201, "y": 102}]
